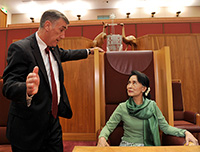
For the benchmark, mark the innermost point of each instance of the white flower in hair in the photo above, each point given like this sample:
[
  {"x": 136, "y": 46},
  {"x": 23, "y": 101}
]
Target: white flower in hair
[{"x": 147, "y": 92}]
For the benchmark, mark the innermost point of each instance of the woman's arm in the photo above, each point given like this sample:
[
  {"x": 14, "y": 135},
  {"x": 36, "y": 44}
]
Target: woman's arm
[
  {"x": 167, "y": 129},
  {"x": 111, "y": 124}
]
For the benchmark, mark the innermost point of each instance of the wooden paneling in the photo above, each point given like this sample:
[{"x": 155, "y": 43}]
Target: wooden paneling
[
  {"x": 185, "y": 62},
  {"x": 75, "y": 43},
  {"x": 79, "y": 83},
  {"x": 3, "y": 19}
]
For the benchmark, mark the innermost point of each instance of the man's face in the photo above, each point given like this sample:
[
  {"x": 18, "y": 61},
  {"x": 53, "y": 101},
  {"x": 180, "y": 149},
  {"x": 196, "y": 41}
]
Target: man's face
[{"x": 56, "y": 32}]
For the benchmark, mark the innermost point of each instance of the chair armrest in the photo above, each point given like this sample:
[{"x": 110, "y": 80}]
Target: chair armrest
[
  {"x": 169, "y": 140},
  {"x": 198, "y": 119},
  {"x": 190, "y": 116}
]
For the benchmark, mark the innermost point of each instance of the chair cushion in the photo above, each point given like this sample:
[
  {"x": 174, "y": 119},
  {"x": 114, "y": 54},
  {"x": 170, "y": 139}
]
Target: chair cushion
[
  {"x": 115, "y": 136},
  {"x": 109, "y": 110}
]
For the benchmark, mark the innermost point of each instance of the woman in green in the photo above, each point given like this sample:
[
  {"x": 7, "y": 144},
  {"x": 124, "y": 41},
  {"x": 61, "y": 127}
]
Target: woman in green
[{"x": 141, "y": 117}]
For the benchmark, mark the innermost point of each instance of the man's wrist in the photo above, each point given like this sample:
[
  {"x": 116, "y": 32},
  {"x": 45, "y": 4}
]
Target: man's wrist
[{"x": 88, "y": 51}]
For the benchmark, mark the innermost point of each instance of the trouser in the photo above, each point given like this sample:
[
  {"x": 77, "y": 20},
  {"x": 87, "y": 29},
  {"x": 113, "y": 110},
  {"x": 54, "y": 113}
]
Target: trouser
[{"x": 53, "y": 139}]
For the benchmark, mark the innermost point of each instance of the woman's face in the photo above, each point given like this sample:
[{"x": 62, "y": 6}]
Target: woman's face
[{"x": 134, "y": 88}]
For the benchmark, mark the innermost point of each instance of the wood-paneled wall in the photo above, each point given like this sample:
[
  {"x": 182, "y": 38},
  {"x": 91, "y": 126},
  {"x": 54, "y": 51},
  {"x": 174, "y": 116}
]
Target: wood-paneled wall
[
  {"x": 79, "y": 84},
  {"x": 3, "y": 19},
  {"x": 185, "y": 62},
  {"x": 91, "y": 28}
]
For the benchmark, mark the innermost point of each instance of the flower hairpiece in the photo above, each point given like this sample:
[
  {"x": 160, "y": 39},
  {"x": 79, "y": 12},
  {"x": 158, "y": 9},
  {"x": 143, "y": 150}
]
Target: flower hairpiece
[{"x": 147, "y": 92}]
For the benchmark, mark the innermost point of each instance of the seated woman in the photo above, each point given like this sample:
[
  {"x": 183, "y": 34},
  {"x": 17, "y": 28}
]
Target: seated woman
[{"x": 141, "y": 118}]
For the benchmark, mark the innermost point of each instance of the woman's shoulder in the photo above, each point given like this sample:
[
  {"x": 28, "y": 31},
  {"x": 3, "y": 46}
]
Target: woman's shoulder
[
  {"x": 122, "y": 105},
  {"x": 151, "y": 102}
]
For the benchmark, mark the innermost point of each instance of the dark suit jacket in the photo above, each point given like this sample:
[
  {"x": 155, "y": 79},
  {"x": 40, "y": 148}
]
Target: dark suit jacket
[{"x": 27, "y": 126}]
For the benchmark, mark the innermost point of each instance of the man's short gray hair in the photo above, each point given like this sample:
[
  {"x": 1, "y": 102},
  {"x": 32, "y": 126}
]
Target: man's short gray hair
[{"x": 52, "y": 16}]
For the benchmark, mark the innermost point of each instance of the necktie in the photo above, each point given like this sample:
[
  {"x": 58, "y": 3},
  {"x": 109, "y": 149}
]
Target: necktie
[{"x": 53, "y": 88}]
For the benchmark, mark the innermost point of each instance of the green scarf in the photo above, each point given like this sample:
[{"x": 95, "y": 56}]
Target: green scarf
[{"x": 146, "y": 112}]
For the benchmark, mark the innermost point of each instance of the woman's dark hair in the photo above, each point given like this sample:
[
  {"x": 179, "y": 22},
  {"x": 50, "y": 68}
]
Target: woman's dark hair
[
  {"x": 52, "y": 16},
  {"x": 144, "y": 80}
]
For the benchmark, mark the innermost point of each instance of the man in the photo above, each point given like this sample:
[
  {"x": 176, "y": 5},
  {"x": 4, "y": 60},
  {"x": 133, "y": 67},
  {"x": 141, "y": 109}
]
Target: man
[{"x": 33, "y": 80}]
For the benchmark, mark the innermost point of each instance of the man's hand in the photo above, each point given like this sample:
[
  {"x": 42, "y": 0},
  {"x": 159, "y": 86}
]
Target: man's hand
[
  {"x": 33, "y": 82},
  {"x": 96, "y": 48}
]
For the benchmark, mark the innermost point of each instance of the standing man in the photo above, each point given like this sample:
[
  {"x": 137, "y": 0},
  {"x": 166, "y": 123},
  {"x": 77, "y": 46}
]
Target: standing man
[{"x": 33, "y": 80}]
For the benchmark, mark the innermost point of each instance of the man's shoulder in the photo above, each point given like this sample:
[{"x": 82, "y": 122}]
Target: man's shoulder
[{"x": 24, "y": 42}]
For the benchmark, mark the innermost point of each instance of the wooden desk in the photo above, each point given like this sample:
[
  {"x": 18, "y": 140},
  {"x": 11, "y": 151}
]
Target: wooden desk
[{"x": 137, "y": 149}]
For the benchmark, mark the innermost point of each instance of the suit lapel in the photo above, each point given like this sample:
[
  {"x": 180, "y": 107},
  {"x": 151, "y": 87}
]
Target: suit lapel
[{"x": 38, "y": 58}]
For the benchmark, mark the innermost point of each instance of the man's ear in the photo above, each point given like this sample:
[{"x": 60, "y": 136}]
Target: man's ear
[{"x": 47, "y": 25}]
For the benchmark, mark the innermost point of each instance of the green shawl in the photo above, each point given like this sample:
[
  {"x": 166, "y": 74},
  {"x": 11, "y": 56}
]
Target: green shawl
[{"x": 146, "y": 112}]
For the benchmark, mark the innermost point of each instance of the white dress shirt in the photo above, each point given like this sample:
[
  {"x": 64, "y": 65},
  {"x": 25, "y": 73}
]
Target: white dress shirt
[{"x": 42, "y": 47}]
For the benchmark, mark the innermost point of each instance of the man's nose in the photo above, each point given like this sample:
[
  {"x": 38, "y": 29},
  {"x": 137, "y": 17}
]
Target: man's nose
[{"x": 63, "y": 35}]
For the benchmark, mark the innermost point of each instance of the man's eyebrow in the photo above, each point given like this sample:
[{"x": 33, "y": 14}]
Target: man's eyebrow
[{"x": 64, "y": 27}]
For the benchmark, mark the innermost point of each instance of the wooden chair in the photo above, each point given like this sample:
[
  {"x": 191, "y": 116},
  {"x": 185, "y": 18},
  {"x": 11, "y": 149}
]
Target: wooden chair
[
  {"x": 116, "y": 68},
  {"x": 183, "y": 119}
]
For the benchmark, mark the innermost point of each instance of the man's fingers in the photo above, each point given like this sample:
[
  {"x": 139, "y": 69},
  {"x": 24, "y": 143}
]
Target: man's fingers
[{"x": 35, "y": 70}]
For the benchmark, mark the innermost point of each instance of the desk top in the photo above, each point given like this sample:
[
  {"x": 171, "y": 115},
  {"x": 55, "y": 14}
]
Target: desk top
[{"x": 137, "y": 149}]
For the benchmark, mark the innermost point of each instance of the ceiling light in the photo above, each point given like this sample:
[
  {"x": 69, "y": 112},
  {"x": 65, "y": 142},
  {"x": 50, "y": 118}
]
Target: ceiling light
[
  {"x": 177, "y": 13},
  {"x": 32, "y": 19},
  {"x": 152, "y": 14},
  {"x": 127, "y": 14},
  {"x": 79, "y": 17}
]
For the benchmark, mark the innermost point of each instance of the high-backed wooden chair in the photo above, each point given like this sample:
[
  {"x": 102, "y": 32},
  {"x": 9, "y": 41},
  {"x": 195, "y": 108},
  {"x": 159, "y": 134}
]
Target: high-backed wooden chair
[
  {"x": 116, "y": 67},
  {"x": 4, "y": 108},
  {"x": 183, "y": 119}
]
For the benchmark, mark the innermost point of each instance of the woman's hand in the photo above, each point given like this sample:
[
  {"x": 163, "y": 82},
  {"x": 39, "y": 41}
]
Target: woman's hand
[
  {"x": 190, "y": 138},
  {"x": 102, "y": 142}
]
